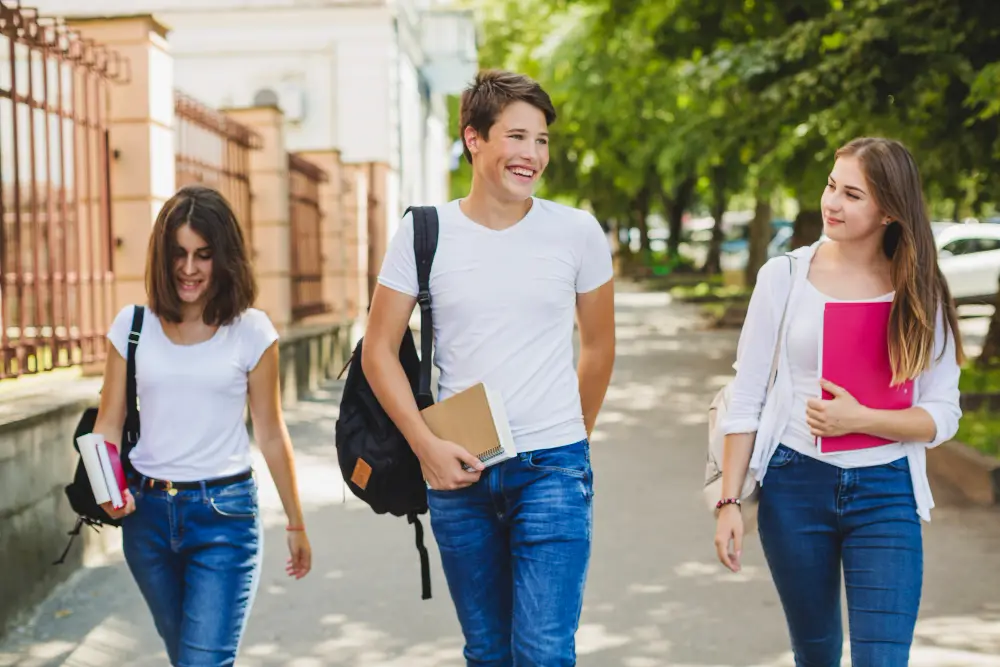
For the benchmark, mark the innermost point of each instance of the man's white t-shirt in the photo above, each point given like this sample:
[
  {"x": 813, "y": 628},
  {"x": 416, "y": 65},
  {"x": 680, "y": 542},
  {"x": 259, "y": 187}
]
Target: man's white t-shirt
[
  {"x": 192, "y": 398},
  {"x": 504, "y": 305}
]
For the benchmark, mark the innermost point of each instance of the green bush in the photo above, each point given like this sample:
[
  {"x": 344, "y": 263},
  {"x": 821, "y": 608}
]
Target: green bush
[
  {"x": 979, "y": 381},
  {"x": 709, "y": 291},
  {"x": 662, "y": 264},
  {"x": 981, "y": 430}
]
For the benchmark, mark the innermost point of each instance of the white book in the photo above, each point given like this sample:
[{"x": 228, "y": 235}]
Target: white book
[
  {"x": 117, "y": 501},
  {"x": 499, "y": 412},
  {"x": 88, "y": 445}
]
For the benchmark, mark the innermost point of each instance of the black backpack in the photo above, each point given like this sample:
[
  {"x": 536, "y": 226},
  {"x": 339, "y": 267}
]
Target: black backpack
[
  {"x": 79, "y": 492},
  {"x": 375, "y": 460}
]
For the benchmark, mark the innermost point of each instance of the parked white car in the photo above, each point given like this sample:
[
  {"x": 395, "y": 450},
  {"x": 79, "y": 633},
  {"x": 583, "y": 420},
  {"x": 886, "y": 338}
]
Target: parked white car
[{"x": 969, "y": 257}]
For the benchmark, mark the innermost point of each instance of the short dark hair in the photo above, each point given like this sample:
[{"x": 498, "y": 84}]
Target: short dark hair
[
  {"x": 489, "y": 95},
  {"x": 233, "y": 287}
]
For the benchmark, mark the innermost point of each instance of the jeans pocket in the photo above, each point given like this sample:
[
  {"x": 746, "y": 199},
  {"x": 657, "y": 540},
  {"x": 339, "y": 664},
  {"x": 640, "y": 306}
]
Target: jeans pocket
[
  {"x": 235, "y": 504},
  {"x": 571, "y": 460},
  {"x": 782, "y": 456},
  {"x": 451, "y": 492},
  {"x": 902, "y": 464}
]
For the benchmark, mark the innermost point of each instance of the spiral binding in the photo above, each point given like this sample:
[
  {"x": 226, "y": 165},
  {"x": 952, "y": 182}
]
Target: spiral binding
[{"x": 491, "y": 454}]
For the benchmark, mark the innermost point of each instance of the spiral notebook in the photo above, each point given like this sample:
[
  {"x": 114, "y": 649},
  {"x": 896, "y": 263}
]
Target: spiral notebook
[{"x": 475, "y": 419}]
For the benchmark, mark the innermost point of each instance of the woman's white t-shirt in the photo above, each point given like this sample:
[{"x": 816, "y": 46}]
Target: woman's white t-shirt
[{"x": 192, "y": 398}]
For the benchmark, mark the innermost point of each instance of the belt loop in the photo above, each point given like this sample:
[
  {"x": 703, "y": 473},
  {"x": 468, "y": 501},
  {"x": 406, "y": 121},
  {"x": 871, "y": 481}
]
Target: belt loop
[{"x": 204, "y": 491}]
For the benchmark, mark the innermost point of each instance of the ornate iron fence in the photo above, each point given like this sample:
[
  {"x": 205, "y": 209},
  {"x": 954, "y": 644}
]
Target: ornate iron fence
[
  {"x": 214, "y": 150},
  {"x": 306, "y": 217},
  {"x": 56, "y": 248}
]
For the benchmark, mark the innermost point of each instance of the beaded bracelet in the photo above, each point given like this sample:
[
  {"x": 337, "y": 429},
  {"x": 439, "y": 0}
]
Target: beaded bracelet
[
  {"x": 728, "y": 501},
  {"x": 292, "y": 529}
]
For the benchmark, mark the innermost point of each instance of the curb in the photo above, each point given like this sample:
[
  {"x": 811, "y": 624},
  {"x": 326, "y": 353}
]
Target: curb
[{"x": 973, "y": 474}]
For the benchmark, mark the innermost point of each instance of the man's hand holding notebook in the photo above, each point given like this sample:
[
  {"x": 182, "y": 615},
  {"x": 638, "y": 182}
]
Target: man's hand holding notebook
[
  {"x": 474, "y": 419},
  {"x": 447, "y": 466}
]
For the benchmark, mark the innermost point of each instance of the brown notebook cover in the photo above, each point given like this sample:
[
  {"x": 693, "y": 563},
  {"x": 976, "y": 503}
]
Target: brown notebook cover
[{"x": 475, "y": 419}]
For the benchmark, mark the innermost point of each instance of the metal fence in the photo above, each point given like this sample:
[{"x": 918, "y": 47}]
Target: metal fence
[
  {"x": 304, "y": 179},
  {"x": 56, "y": 274},
  {"x": 214, "y": 150}
]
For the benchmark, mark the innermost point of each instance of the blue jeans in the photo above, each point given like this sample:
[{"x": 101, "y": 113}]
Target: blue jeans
[
  {"x": 196, "y": 558},
  {"x": 813, "y": 519},
  {"x": 515, "y": 547}
]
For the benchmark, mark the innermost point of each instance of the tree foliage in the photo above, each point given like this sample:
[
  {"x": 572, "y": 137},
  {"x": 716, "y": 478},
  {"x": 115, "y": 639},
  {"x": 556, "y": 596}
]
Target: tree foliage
[{"x": 668, "y": 106}]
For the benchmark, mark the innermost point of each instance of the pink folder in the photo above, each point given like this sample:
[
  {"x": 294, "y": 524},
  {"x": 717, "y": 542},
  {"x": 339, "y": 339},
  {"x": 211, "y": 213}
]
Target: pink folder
[
  {"x": 854, "y": 354},
  {"x": 119, "y": 472}
]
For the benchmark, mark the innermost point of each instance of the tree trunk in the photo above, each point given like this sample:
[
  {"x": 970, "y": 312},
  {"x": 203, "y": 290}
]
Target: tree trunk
[
  {"x": 760, "y": 233},
  {"x": 674, "y": 208},
  {"x": 807, "y": 228},
  {"x": 991, "y": 345},
  {"x": 720, "y": 202},
  {"x": 641, "y": 211},
  {"x": 990, "y": 354}
]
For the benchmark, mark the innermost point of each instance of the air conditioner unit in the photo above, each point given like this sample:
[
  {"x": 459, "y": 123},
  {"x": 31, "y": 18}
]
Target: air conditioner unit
[{"x": 451, "y": 49}]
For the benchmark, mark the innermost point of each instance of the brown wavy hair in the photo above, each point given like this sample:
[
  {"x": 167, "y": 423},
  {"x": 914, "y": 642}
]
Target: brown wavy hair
[
  {"x": 921, "y": 289},
  {"x": 491, "y": 92},
  {"x": 233, "y": 287}
]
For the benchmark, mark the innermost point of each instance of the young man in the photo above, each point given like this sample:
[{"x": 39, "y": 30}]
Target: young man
[{"x": 510, "y": 273}]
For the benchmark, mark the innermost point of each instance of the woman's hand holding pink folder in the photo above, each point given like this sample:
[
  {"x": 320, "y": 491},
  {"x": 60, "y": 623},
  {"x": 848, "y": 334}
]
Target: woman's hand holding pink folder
[{"x": 856, "y": 376}]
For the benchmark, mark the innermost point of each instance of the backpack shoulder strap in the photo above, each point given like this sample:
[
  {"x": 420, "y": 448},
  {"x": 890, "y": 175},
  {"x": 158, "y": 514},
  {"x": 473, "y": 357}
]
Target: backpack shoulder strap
[
  {"x": 131, "y": 392},
  {"x": 425, "y": 240},
  {"x": 772, "y": 376}
]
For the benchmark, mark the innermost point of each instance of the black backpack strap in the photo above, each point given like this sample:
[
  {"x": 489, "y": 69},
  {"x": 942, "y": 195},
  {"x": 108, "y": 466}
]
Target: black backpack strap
[
  {"x": 130, "y": 431},
  {"x": 425, "y": 561},
  {"x": 131, "y": 435},
  {"x": 425, "y": 240}
]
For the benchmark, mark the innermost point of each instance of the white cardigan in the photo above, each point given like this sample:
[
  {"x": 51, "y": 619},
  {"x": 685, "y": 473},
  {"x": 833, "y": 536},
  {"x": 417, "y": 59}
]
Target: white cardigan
[{"x": 935, "y": 390}]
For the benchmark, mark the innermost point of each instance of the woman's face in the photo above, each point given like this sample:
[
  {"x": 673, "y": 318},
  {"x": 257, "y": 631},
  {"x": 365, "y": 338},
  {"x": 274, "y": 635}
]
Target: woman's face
[
  {"x": 192, "y": 265},
  {"x": 849, "y": 210}
]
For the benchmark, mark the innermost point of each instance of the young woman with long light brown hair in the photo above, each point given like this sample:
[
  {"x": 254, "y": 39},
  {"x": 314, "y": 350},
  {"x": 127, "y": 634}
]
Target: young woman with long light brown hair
[{"x": 856, "y": 511}]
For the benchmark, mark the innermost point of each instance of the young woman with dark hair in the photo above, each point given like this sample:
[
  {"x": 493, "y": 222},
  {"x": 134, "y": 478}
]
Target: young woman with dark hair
[{"x": 192, "y": 529}]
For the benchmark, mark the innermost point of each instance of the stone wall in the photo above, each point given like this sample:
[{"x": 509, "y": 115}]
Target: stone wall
[{"x": 37, "y": 461}]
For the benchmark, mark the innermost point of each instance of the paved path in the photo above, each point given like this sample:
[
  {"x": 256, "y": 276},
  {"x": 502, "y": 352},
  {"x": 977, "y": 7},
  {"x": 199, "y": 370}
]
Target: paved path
[{"x": 656, "y": 596}]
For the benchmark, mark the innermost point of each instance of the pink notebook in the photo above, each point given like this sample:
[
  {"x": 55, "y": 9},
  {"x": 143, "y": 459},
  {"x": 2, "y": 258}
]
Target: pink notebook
[
  {"x": 117, "y": 499},
  {"x": 854, "y": 354}
]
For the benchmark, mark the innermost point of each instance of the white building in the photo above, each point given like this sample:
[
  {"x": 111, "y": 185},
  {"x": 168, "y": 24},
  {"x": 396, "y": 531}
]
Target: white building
[{"x": 368, "y": 77}]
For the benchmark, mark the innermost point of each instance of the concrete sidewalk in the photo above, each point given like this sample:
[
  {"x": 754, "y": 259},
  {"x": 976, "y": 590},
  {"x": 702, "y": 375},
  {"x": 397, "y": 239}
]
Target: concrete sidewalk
[{"x": 656, "y": 595}]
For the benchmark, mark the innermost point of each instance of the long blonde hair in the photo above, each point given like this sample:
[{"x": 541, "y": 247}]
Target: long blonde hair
[{"x": 920, "y": 287}]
